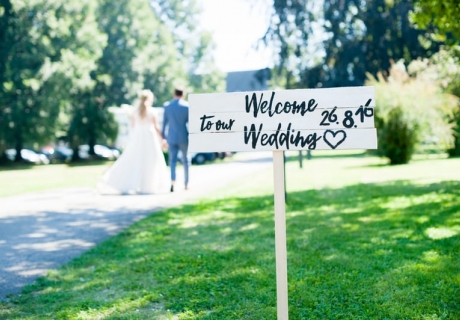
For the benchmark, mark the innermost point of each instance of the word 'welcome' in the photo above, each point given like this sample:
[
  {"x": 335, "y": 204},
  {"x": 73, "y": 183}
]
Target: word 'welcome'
[{"x": 265, "y": 106}]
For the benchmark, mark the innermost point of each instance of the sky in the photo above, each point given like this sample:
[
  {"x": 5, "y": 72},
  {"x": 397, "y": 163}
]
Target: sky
[{"x": 236, "y": 27}]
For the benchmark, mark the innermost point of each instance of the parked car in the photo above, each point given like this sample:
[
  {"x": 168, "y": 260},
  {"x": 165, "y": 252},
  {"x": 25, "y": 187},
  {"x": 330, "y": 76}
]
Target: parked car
[
  {"x": 101, "y": 152},
  {"x": 223, "y": 155},
  {"x": 57, "y": 154},
  {"x": 28, "y": 156},
  {"x": 197, "y": 158},
  {"x": 202, "y": 157}
]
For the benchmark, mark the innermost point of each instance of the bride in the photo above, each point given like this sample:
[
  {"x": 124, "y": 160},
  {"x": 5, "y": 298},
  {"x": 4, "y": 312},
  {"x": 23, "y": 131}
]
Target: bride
[{"x": 141, "y": 168}]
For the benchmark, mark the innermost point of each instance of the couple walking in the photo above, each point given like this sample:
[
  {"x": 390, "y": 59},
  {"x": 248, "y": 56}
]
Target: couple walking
[{"x": 141, "y": 168}]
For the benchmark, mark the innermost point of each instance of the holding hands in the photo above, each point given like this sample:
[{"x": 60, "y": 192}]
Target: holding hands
[{"x": 164, "y": 144}]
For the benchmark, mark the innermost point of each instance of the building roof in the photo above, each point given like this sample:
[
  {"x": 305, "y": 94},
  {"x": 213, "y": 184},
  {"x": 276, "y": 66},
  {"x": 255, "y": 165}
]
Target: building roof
[{"x": 250, "y": 80}]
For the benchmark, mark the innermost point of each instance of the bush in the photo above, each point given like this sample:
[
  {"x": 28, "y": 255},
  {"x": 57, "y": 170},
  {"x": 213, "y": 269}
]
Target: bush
[
  {"x": 410, "y": 113},
  {"x": 444, "y": 70},
  {"x": 455, "y": 150},
  {"x": 396, "y": 138}
]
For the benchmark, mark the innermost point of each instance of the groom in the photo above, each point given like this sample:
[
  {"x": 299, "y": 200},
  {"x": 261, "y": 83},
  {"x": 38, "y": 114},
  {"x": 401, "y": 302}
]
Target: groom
[{"x": 175, "y": 121}]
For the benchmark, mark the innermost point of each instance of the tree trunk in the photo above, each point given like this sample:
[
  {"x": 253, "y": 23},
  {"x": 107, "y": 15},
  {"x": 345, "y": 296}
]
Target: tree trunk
[
  {"x": 91, "y": 141},
  {"x": 3, "y": 158},
  {"x": 19, "y": 146},
  {"x": 75, "y": 155}
]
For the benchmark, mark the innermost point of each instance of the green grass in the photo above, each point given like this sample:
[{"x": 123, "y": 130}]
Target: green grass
[
  {"x": 365, "y": 241},
  {"x": 19, "y": 179},
  {"x": 22, "y": 178}
]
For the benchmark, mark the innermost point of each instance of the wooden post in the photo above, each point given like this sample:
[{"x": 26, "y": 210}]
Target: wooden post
[
  {"x": 284, "y": 177},
  {"x": 280, "y": 236}
]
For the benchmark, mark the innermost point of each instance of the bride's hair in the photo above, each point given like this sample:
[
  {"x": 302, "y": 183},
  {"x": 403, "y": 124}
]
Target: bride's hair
[{"x": 144, "y": 96}]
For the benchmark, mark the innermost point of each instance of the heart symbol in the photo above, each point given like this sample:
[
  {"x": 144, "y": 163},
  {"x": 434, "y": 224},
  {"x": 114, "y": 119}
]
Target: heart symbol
[{"x": 334, "y": 141}]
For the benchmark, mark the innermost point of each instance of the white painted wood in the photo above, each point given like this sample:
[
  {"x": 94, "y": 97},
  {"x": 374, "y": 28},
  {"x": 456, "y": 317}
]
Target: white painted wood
[
  {"x": 236, "y": 121},
  {"x": 343, "y": 97},
  {"x": 280, "y": 237},
  {"x": 235, "y": 141}
]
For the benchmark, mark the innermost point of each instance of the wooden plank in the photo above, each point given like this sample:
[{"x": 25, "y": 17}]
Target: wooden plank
[
  {"x": 330, "y": 118},
  {"x": 280, "y": 237},
  {"x": 276, "y": 140},
  {"x": 343, "y": 97}
]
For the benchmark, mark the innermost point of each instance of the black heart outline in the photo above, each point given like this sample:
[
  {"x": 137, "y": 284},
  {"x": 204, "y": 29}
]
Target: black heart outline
[{"x": 334, "y": 134}]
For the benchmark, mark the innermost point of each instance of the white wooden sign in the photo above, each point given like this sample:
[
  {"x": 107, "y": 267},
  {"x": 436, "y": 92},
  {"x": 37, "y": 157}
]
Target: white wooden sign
[
  {"x": 313, "y": 119},
  {"x": 334, "y": 118}
]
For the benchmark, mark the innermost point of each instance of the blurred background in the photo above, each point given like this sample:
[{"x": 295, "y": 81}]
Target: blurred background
[{"x": 70, "y": 71}]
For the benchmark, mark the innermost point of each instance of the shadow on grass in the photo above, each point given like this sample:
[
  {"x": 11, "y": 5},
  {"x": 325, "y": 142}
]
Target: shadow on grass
[
  {"x": 368, "y": 251},
  {"x": 411, "y": 162},
  {"x": 26, "y": 166},
  {"x": 12, "y": 166},
  {"x": 323, "y": 155}
]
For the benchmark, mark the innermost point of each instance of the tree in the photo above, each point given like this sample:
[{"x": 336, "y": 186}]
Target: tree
[
  {"x": 193, "y": 48},
  {"x": 205, "y": 76},
  {"x": 64, "y": 63},
  {"x": 443, "y": 15},
  {"x": 7, "y": 24},
  {"x": 349, "y": 39},
  {"x": 411, "y": 111},
  {"x": 132, "y": 49},
  {"x": 115, "y": 78},
  {"x": 443, "y": 68},
  {"x": 149, "y": 46},
  {"x": 46, "y": 47}
]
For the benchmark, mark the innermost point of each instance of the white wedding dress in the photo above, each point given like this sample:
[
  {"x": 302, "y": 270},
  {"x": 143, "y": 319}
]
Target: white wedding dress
[{"x": 141, "y": 168}]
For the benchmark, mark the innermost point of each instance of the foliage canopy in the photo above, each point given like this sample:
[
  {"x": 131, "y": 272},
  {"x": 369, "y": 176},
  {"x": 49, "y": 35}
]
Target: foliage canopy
[
  {"x": 443, "y": 15},
  {"x": 335, "y": 43},
  {"x": 63, "y": 64}
]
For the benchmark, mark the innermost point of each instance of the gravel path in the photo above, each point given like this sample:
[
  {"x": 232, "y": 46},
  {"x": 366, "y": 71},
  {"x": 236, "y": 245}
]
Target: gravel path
[{"x": 43, "y": 231}]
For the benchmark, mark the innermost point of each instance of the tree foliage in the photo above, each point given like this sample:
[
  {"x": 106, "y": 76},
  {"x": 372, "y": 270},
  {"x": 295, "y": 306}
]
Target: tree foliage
[
  {"x": 63, "y": 64},
  {"x": 47, "y": 49},
  {"x": 338, "y": 43},
  {"x": 412, "y": 112},
  {"x": 194, "y": 49},
  {"x": 443, "y": 68},
  {"x": 443, "y": 15}
]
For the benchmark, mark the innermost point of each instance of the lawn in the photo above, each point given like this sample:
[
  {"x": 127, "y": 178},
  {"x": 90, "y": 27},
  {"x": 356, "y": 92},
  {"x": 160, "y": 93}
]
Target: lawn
[
  {"x": 365, "y": 241},
  {"x": 18, "y": 179}
]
